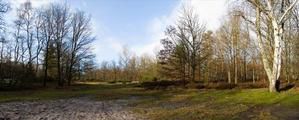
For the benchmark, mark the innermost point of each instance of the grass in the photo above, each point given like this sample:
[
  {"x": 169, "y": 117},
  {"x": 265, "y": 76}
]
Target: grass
[
  {"x": 179, "y": 103},
  {"x": 53, "y": 93},
  {"x": 225, "y": 104}
]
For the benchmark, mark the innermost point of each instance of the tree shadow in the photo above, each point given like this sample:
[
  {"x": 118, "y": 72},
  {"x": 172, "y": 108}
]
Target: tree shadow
[{"x": 286, "y": 88}]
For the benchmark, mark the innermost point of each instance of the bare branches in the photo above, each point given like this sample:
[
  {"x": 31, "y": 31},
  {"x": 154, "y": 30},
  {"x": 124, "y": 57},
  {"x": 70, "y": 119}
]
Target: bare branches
[
  {"x": 81, "y": 38},
  {"x": 62, "y": 36},
  {"x": 255, "y": 3},
  {"x": 275, "y": 32},
  {"x": 239, "y": 13},
  {"x": 185, "y": 40},
  {"x": 288, "y": 10}
]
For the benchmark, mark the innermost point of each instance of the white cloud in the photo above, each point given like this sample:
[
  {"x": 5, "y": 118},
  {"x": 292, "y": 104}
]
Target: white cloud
[
  {"x": 209, "y": 11},
  {"x": 35, "y": 3},
  {"x": 156, "y": 29},
  {"x": 104, "y": 47},
  {"x": 14, "y": 4}
]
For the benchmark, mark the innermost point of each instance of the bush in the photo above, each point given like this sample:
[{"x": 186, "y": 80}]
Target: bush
[
  {"x": 112, "y": 82},
  {"x": 252, "y": 85},
  {"x": 163, "y": 84},
  {"x": 219, "y": 86}
]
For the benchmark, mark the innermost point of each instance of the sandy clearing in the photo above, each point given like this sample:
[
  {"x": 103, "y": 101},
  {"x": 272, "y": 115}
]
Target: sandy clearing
[{"x": 67, "y": 109}]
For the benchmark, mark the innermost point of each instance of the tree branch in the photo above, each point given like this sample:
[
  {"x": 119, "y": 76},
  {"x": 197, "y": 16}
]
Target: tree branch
[
  {"x": 246, "y": 19},
  {"x": 287, "y": 11},
  {"x": 256, "y": 5}
]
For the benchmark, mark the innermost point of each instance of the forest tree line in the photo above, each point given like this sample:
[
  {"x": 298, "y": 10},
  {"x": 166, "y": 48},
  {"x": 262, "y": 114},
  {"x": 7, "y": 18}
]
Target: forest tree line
[
  {"x": 129, "y": 67},
  {"x": 50, "y": 43},
  {"x": 257, "y": 41}
]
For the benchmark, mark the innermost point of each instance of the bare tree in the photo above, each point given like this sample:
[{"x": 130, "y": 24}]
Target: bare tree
[
  {"x": 225, "y": 43},
  {"x": 116, "y": 70},
  {"x": 276, "y": 14},
  {"x": 190, "y": 32},
  {"x": 60, "y": 26},
  {"x": 26, "y": 17},
  {"x": 184, "y": 46},
  {"x": 47, "y": 33},
  {"x": 81, "y": 39},
  {"x": 4, "y": 8},
  {"x": 124, "y": 62},
  {"x": 39, "y": 36}
]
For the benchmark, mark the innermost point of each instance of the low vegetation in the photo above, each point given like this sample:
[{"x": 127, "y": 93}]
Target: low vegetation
[
  {"x": 245, "y": 69},
  {"x": 177, "y": 103}
]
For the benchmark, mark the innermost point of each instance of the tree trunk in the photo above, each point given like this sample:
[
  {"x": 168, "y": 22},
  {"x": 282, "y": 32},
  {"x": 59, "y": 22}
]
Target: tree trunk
[
  {"x": 272, "y": 74},
  {"x": 70, "y": 76},
  {"x": 59, "y": 70},
  {"x": 228, "y": 77},
  {"x": 236, "y": 71},
  {"x": 277, "y": 55},
  {"x": 46, "y": 65},
  {"x": 253, "y": 75},
  {"x": 245, "y": 68}
]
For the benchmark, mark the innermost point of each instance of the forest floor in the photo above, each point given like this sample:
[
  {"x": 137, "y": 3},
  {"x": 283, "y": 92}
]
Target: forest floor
[{"x": 129, "y": 102}]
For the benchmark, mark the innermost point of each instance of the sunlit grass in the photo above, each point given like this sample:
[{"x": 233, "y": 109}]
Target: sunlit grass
[{"x": 174, "y": 103}]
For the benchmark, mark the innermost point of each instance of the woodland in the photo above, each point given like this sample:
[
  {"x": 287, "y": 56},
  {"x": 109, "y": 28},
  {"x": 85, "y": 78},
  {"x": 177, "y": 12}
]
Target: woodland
[{"x": 248, "y": 68}]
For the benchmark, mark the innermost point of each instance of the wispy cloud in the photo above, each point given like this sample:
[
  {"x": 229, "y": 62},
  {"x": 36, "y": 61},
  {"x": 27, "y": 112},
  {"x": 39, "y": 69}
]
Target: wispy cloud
[
  {"x": 156, "y": 28},
  {"x": 210, "y": 12},
  {"x": 15, "y": 4},
  {"x": 108, "y": 45},
  {"x": 35, "y": 3}
]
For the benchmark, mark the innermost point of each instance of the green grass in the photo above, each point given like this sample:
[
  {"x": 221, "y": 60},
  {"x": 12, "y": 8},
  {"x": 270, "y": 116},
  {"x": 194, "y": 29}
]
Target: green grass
[
  {"x": 224, "y": 104},
  {"x": 53, "y": 93},
  {"x": 178, "y": 103}
]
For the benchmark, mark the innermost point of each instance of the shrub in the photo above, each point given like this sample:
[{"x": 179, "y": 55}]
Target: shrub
[
  {"x": 220, "y": 86},
  {"x": 250, "y": 85},
  {"x": 163, "y": 84}
]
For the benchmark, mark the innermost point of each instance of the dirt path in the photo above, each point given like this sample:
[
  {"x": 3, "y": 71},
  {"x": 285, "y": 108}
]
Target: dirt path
[{"x": 67, "y": 109}]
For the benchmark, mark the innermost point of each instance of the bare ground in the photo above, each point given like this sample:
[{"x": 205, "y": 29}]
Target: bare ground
[{"x": 67, "y": 109}]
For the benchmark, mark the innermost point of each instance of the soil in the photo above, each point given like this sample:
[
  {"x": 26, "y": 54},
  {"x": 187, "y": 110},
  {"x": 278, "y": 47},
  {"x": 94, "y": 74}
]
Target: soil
[{"x": 67, "y": 109}]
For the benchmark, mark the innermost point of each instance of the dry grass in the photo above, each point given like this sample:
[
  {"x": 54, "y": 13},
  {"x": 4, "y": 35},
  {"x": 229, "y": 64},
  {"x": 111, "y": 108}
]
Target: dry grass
[{"x": 179, "y": 103}]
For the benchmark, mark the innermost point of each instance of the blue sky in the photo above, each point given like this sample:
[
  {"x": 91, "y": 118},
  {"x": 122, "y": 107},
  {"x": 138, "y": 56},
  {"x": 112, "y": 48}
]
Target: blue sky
[
  {"x": 121, "y": 23},
  {"x": 137, "y": 24}
]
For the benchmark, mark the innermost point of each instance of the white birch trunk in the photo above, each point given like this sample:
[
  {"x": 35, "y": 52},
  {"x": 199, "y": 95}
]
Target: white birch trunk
[
  {"x": 274, "y": 72},
  {"x": 265, "y": 57},
  {"x": 277, "y": 55}
]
